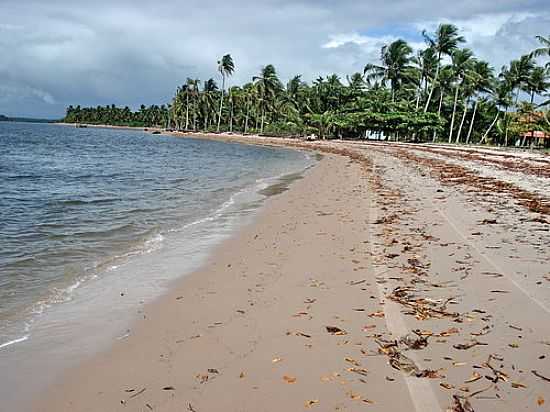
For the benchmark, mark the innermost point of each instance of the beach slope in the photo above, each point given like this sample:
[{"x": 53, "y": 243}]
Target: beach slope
[{"x": 376, "y": 282}]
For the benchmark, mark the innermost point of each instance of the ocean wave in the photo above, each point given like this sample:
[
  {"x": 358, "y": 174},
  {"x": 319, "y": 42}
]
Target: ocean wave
[
  {"x": 80, "y": 202},
  {"x": 58, "y": 295},
  {"x": 213, "y": 216}
]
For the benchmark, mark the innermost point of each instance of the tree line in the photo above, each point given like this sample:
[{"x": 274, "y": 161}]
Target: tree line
[
  {"x": 116, "y": 116},
  {"x": 440, "y": 93}
]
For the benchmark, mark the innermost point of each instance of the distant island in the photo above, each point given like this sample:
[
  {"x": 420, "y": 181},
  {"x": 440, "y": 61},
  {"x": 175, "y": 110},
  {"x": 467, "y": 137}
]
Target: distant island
[{"x": 4, "y": 118}]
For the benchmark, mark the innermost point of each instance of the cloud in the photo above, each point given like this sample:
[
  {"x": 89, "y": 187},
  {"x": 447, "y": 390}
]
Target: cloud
[{"x": 130, "y": 52}]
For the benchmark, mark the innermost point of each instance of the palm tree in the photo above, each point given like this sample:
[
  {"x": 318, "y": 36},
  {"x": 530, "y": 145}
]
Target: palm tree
[
  {"x": 395, "y": 67},
  {"x": 461, "y": 63},
  {"x": 444, "y": 82},
  {"x": 516, "y": 76},
  {"x": 250, "y": 96},
  {"x": 544, "y": 50},
  {"x": 207, "y": 101},
  {"x": 189, "y": 90},
  {"x": 334, "y": 90},
  {"x": 445, "y": 40},
  {"x": 194, "y": 93},
  {"x": 502, "y": 98},
  {"x": 482, "y": 79},
  {"x": 356, "y": 84},
  {"x": 226, "y": 67},
  {"x": 269, "y": 86},
  {"x": 521, "y": 70},
  {"x": 537, "y": 83},
  {"x": 426, "y": 63}
]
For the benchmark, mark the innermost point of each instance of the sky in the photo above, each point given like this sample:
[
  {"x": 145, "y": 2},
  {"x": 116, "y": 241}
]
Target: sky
[{"x": 128, "y": 52}]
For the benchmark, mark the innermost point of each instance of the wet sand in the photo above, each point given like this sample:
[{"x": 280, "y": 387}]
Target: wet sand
[{"x": 377, "y": 282}]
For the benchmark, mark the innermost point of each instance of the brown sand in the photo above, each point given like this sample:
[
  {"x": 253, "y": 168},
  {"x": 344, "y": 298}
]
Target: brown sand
[{"x": 373, "y": 248}]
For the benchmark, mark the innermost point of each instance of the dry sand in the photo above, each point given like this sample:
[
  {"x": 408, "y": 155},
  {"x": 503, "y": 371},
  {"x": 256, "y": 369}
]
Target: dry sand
[{"x": 435, "y": 291}]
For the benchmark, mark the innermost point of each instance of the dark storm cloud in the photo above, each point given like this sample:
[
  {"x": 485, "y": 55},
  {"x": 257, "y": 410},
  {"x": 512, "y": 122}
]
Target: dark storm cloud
[{"x": 64, "y": 52}]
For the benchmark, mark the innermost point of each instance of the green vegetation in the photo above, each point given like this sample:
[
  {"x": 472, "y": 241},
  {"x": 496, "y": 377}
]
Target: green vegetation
[
  {"x": 115, "y": 116},
  {"x": 441, "y": 93}
]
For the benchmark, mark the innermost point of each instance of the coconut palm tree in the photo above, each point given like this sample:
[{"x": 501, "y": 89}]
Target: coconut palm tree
[
  {"x": 537, "y": 83},
  {"x": 250, "y": 92},
  {"x": 269, "y": 86},
  {"x": 462, "y": 60},
  {"x": 502, "y": 98},
  {"x": 356, "y": 84},
  {"x": 206, "y": 102},
  {"x": 482, "y": 80},
  {"x": 516, "y": 76},
  {"x": 194, "y": 100},
  {"x": 426, "y": 62},
  {"x": 544, "y": 50},
  {"x": 189, "y": 90},
  {"x": 334, "y": 92},
  {"x": 395, "y": 67},
  {"x": 226, "y": 67},
  {"x": 522, "y": 70},
  {"x": 445, "y": 81},
  {"x": 444, "y": 41}
]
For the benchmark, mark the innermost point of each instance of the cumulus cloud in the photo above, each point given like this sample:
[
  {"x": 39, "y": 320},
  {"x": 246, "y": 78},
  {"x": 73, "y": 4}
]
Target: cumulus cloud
[{"x": 130, "y": 52}]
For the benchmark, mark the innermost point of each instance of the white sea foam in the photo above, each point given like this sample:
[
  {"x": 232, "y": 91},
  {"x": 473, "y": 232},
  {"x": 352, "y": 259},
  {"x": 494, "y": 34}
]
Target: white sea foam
[{"x": 14, "y": 341}]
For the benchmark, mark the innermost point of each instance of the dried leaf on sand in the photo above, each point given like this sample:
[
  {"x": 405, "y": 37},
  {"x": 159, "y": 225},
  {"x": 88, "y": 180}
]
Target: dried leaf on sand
[
  {"x": 469, "y": 345},
  {"x": 360, "y": 371},
  {"x": 538, "y": 375},
  {"x": 475, "y": 377},
  {"x": 334, "y": 330},
  {"x": 461, "y": 404},
  {"x": 289, "y": 379},
  {"x": 418, "y": 342}
]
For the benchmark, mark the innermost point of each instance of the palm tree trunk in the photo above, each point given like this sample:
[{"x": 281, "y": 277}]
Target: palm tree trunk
[
  {"x": 506, "y": 122},
  {"x": 434, "y": 136},
  {"x": 246, "y": 119},
  {"x": 472, "y": 123},
  {"x": 195, "y": 116},
  {"x": 489, "y": 129},
  {"x": 462, "y": 122},
  {"x": 419, "y": 92},
  {"x": 231, "y": 112},
  {"x": 187, "y": 110},
  {"x": 506, "y": 127},
  {"x": 454, "y": 114},
  {"x": 221, "y": 102},
  {"x": 419, "y": 89},
  {"x": 263, "y": 118}
]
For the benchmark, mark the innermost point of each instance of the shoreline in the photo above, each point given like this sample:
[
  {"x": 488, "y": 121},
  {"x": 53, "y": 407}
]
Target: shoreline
[
  {"x": 256, "y": 139},
  {"x": 238, "y": 210}
]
